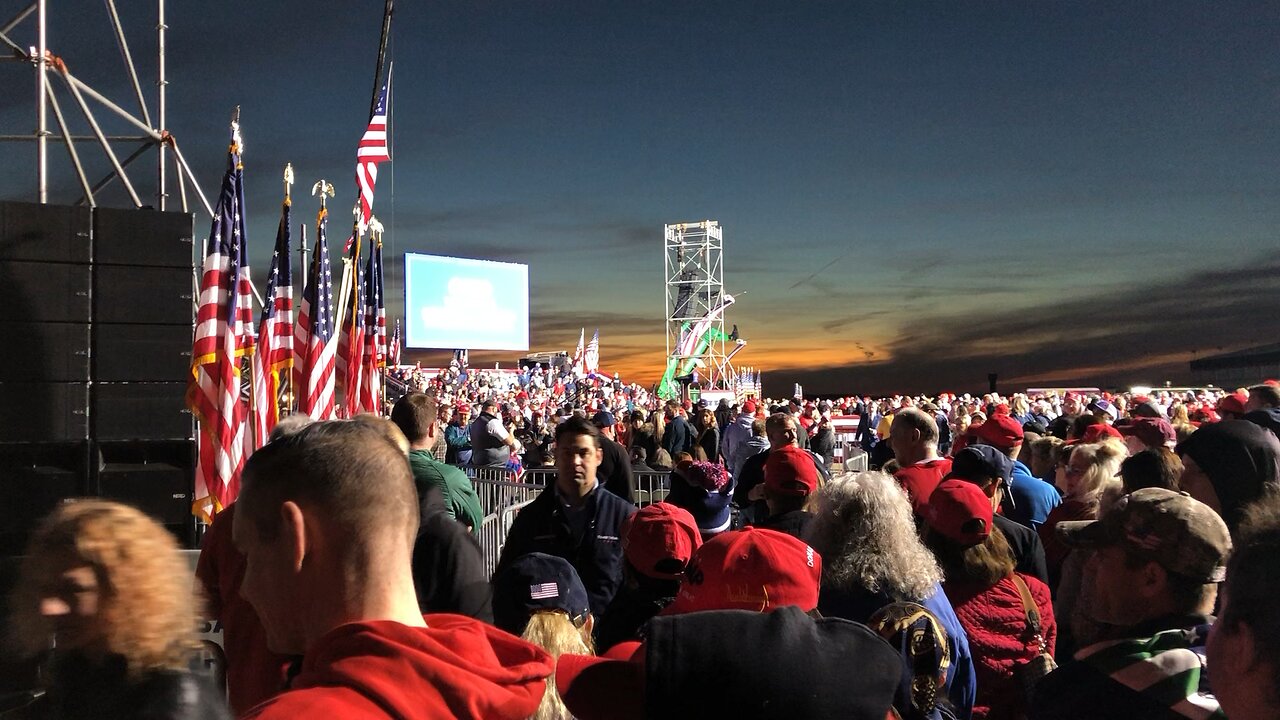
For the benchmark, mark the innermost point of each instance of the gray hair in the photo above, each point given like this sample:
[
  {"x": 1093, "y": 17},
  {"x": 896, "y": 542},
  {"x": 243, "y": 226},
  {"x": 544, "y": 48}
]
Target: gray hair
[{"x": 867, "y": 537}]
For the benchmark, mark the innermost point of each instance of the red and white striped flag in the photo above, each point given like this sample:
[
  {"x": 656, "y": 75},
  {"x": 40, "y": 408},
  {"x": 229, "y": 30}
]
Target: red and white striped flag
[
  {"x": 375, "y": 334},
  {"x": 313, "y": 338},
  {"x": 371, "y": 151},
  {"x": 591, "y": 357},
  {"x": 223, "y": 336},
  {"x": 273, "y": 360}
]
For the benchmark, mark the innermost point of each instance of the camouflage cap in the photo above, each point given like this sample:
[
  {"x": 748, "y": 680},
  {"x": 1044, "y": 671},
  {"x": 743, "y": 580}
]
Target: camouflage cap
[{"x": 1182, "y": 534}]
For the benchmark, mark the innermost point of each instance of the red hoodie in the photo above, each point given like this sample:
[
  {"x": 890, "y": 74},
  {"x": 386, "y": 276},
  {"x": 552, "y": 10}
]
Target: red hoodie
[{"x": 457, "y": 667}]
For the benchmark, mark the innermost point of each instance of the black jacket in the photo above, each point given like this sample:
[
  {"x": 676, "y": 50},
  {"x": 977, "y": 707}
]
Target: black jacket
[
  {"x": 678, "y": 437},
  {"x": 1027, "y": 548},
  {"x": 544, "y": 526},
  {"x": 795, "y": 523},
  {"x": 84, "y": 689},
  {"x": 448, "y": 566},
  {"x": 615, "y": 470},
  {"x": 631, "y": 608}
]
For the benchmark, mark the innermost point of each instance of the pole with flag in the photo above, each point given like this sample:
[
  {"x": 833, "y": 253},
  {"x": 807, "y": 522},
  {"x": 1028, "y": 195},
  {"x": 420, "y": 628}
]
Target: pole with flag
[
  {"x": 351, "y": 321},
  {"x": 591, "y": 357},
  {"x": 375, "y": 320},
  {"x": 580, "y": 351},
  {"x": 393, "y": 351},
  {"x": 273, "y": 360},
  {"x": 313, "y": 336},
  {"x": 223, "y": 336}
]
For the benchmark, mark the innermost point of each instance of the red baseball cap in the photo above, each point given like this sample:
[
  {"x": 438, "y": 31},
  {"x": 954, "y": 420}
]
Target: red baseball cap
[
  {"x": 749, "y": 569},
  {"x": 790, "y": 471},
  {"x": 659, "y": 539},
  {"x": 749, "y": 407},
  {"x": 1153, "y": 432},
  {"x": 1233, "y": 403},
  {"x": 1099, "y": 432},
  {"x": 959, "y": 511},
  {"x": 1000, "y": 431}
]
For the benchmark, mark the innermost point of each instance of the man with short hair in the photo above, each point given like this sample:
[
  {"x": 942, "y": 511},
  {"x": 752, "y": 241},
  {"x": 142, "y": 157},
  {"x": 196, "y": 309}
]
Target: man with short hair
[
  {"x": 327, "y": 519},
  {"x": 678, "y": 436},
  {"x": 1028, "y": 499},
  {"x": 615, "y": 466},
  {"x": 491, "y": 443},
  {"x": 782, "y": 430},
  {"x": 913, "y": 436},
  {"x": 1244, "y": 644},
  {"x": 415, "y": 415},
  {"x": 1071, "y": 409},
  {"x": 1152, "y": 579},
  {"x": 575, "y": 518},
  {"x": 1263, "y": 397}
]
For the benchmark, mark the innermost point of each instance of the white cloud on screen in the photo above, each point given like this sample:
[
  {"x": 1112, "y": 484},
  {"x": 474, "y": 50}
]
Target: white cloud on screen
[{"x": 467, "y": 301}]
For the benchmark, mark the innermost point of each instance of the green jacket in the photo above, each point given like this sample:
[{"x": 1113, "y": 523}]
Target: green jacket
[{"x": 459, "y": 494}]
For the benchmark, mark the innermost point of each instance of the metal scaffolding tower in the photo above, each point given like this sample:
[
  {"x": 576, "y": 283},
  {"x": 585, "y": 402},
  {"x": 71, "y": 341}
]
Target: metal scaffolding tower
[
  {"x": 152, "y": 134},
  {"x": 695, "y": 305}
]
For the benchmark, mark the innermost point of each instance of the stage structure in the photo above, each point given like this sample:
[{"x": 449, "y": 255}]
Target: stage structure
[
  {"x": 698, "y": 348},
  {"x": 147, "y": 135}
]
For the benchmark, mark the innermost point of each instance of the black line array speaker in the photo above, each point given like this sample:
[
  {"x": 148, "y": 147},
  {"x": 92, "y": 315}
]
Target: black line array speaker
[{"x": 96, "y": 311}]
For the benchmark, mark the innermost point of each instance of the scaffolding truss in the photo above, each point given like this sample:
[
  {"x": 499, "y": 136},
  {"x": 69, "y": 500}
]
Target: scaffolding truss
[
  {"x": 695, "y": 306},
  {"x": 153, "y": 135}
]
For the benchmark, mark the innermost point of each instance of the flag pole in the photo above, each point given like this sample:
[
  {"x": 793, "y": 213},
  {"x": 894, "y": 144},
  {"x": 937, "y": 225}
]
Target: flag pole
[{"x": 382, "y": 55}]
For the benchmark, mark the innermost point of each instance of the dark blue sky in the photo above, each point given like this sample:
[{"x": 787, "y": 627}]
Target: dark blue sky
[{"x": 1054, "y": 191}]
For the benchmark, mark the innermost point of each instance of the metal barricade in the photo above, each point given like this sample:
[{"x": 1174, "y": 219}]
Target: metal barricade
[
  {"x": 651, "y": 487},
  {"x": 500, "y": 500},
  {"x": 855, "y": 458}
]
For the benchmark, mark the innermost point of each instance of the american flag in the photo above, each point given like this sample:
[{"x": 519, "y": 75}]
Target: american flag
[
  {"x": 223, "y": 336},
  {"x": 375, "y": 345},
  {"x": 543, "y": 591},
  {"x": 591, "y": 358},
  {"x": 314, "y": 366},
  {"x": 579, "y": 353},
  {"x": 393, "y": 350},
  {"x": 351, "y": 338},
  {"x": 371, "y": 151},
  {"x": 273, "y": 360}
]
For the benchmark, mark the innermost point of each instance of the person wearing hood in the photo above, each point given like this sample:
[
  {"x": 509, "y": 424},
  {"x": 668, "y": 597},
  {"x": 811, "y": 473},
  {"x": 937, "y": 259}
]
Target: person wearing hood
[
  {"x": 736, "y": 434},
  {"x": 1229, "y": 464},
  {"x": 327, "y": 519}
]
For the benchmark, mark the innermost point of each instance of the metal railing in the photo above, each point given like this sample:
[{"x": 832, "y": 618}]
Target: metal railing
[{"x": 502, "y": 498}]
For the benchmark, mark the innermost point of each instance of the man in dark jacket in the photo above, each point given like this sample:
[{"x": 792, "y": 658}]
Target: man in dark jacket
[
  {"x": 990, "y": 470},
  {"x": 448, "y": 566},
  {"x": 575, "y": 518},
  {"x": 678, "y": 437},
  {"x": 1152, "y": 581},
  {"x": 615, "y": 466}
]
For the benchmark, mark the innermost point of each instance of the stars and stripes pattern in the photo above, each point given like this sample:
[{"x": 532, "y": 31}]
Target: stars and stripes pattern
[
  {"x": 313, "y": 338},
  {"x": 591, "y": 357},
  {"x": 375, "y": 337},
  {"x": 543, "y": 591},
  {"x": 371, "y": 151},
  {"x": 393, "y": 350},
  {"x": 273, "y": 360},
  {"x": 579, "y": 352},
  {"x": 223, "y": 337},
  {"x": 350, "y": 358}
]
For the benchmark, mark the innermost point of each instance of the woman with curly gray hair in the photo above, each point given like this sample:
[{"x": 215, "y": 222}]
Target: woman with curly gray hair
[
  {"x": 873, "y": 558},
  {"x": 105, "y": 596}
]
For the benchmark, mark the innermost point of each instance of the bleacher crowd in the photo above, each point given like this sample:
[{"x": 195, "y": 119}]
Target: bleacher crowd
[{"x": 1055, "y": 555}]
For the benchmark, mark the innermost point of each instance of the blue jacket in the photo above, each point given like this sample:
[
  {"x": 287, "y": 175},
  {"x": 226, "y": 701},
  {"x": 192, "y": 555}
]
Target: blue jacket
[
  {"x": 1032, "y": 498},
  {"x": 544, "y": 526}
]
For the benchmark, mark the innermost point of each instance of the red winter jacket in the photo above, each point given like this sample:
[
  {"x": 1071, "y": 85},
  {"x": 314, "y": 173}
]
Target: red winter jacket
[
  {"x": 456, "y": 667},
  {"x": 996, "y": 625}
]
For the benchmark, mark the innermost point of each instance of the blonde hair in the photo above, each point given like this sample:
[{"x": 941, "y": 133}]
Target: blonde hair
[
  {"x": 147, "y": 606},
  {"x": 553, "y": 631},
  {"x": 1104, "y": 460},
  {"x": 867, "y": 537}
]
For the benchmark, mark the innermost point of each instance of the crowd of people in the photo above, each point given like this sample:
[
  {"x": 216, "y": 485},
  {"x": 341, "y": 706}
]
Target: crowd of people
[{"x": 1059, "y": 555}]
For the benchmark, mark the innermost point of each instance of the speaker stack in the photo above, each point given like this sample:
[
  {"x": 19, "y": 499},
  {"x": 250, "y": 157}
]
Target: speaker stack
[{"x": 95, "y": 338}]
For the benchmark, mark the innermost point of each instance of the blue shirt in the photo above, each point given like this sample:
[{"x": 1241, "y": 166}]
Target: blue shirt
[{"x": 1032, "y": 498}]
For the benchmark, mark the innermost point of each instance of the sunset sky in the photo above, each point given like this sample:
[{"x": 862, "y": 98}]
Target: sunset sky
[{"x": 913, "y": 194}]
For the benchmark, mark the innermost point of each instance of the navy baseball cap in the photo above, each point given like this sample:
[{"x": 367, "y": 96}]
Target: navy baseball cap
[
  {"x": 603, "y": 419},
  {"x": 534, "y": 582},
  {"x": 976, "y": 462}
]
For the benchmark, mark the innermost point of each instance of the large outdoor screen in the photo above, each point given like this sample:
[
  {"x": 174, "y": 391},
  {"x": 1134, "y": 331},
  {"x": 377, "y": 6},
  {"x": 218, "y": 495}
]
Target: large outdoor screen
[{"x": 463, "y": 304}]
